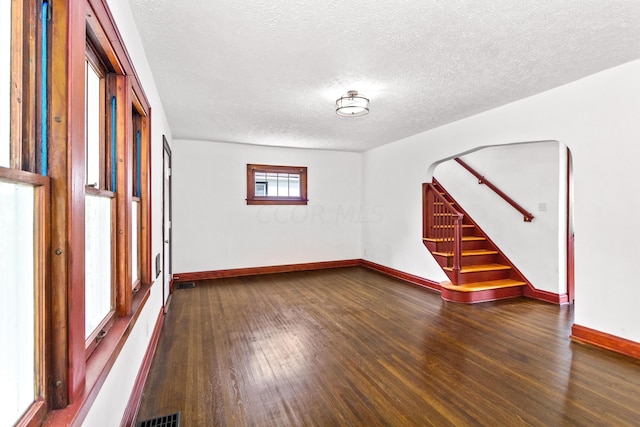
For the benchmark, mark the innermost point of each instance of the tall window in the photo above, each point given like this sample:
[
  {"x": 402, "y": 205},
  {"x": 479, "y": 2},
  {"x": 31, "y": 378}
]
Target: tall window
[
  {"x": 23, "y": 215},
  {"x": 276, "y": 185},
  {"x": 99, "y": 208},
  {"x": 136, "y": 199},
  {"x": 17, "y": 301},
  {"x": 5, "y": 82},
  {"x": 46, "y": 330}
]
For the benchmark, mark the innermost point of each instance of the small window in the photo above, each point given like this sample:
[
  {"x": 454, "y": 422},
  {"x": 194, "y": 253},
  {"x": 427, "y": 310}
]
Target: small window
[{"x": 276, "y": 185}]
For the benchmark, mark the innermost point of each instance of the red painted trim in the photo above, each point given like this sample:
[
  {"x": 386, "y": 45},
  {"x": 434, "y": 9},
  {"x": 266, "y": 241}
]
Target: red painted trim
[
  {"x": 570, "y": 233},
  {"x": 34, "y": 415},
  {"x": 401, "y": 275},
  {"x": 545, "y": 296},
  {"x": 252, "y": 271},
  {"x": 406, "y": 277},
  {"x": 99, "y": 365},
  {"x": 624, "y": 346},
  {"x": 108, "y": 25},
  {"x": 131, "y": 412}
]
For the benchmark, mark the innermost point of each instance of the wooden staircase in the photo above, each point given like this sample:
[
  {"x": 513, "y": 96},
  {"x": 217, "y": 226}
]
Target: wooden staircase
[{"x": 477, "y": 269}]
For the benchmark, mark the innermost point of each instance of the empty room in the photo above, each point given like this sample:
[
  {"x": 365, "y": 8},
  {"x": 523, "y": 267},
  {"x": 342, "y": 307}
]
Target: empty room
[{"x": 319, "y": 213}]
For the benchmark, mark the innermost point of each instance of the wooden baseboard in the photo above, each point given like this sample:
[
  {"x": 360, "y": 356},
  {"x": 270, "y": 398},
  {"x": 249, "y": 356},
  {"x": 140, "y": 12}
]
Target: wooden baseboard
[
  {"x": 406, "y": 277},
  {"x": 546, "y": 296},
  {"x": 131, "y": 412},
  {"x": 253, "y": 271},
  {"x": 607, "y": 341},
  {"x": 529, "y": 291}
]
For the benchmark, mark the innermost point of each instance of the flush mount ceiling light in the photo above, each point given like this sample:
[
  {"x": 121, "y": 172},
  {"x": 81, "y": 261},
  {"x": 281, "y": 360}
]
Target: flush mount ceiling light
[{"x": 352, "y": 105}]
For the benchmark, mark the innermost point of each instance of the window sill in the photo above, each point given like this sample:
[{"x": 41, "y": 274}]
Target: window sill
[
  {"x": 276, "y": 201},
  {"x": 99, "y": 365}
]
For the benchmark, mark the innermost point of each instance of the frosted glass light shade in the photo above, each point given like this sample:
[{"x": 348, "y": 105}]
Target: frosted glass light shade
[{"x": 352, "y": 105}]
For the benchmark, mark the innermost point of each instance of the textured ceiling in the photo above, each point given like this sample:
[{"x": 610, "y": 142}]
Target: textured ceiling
[{"x": 269, "y": 72}]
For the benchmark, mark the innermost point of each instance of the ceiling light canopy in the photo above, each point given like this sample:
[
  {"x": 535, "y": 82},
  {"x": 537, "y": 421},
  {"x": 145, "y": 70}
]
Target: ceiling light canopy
[{"x": 352, "y": 105}]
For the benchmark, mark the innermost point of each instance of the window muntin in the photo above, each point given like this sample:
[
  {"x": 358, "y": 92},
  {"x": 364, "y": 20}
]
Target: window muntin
[
  {"x": 17, "y": 301},
  {"x": 5, "y": 83},
  {"x": 276, "y": 185}
]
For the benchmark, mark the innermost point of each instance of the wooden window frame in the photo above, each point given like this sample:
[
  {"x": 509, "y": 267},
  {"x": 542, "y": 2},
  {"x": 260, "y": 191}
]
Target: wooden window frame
[
  {"x": 252, "y": 199},
  {"x": 68, "y": 380},
  {"x": 140, "y": 123},
  {"x": 108, "y": 87},
  {"x": 42, "y": 309},
  {"x": 75, "y": 380},
  {"x": 25, "y": 135}
]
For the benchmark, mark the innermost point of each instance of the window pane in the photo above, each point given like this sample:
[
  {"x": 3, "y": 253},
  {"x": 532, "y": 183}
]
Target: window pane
[
  {"x": 17, "y": 301},
  {"x": 135, "y": 211},
  {"x": 283, "y": 184},
  {"x": 272, "y": 184},
  {"x": 5, "y": 81},
  {"x": 294, "y": 185},
  {"x": 92, "y": 111},
  {"x": 97, "y": 261}
]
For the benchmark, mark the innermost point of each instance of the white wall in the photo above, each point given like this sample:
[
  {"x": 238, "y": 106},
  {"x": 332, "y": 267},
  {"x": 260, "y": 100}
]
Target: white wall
[
  {"x": 214, "y": 228},
  {"x": 533, "y": 175},
  {"x": 113, "y": 398},
  {"x": 598, "y": 118}
]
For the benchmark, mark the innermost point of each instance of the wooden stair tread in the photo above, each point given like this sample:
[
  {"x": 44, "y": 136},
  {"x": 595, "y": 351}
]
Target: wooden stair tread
[
  {"x": 480, "y": 267},
  {"x": 464, "y": 239},
  {"x": 481, "y": 286},
  {"x": 470, "y": 252}
]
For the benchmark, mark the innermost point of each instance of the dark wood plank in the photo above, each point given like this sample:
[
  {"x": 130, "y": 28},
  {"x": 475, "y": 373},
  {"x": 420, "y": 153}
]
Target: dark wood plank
[{"x": 351, "y": 346}]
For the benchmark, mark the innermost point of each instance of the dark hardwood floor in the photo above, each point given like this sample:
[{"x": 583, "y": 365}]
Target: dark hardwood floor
[{"x": 352, "y": 347}]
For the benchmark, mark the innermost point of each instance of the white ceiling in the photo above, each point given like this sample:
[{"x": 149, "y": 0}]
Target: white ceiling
[{"x": 269, "y": 72}]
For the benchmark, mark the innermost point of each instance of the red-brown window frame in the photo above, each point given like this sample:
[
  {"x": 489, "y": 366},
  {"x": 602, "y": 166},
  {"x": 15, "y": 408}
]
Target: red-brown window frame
[
  {"x": 75, "y": 379},
  {"x": 252, "y": 199}
]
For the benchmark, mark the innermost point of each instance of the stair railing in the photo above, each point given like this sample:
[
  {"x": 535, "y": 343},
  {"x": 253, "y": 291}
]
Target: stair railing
[
  {"x": 482, "y": 180},
  {"x": 443, "y": 223}
]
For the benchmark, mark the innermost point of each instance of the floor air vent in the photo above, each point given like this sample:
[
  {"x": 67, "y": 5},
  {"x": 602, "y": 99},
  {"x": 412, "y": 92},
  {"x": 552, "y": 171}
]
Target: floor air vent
[
  {"x": 186, "y": 285},
  {"x": 172, "y": 420}
]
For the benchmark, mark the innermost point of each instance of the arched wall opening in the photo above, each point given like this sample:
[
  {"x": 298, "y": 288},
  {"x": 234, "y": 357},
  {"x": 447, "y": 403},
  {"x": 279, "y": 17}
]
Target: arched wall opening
[{"x": 537, "y": 175}]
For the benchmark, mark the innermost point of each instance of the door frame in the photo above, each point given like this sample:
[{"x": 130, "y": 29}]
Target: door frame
[
  {"x": 166, "y": 167},
  {"x": 571, "y": 293}
]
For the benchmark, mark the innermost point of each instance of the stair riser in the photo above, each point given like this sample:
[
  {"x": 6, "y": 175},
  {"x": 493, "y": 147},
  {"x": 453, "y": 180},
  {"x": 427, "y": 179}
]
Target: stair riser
[
  {"x": 482, "y": 276},
  {"x": 447, "y": 261},
  {"x": 478, "y": 259},
  {"x": 468, "y": 231},
  {"x": 481, "y": 296},
  {"x": 473, "y": 244}
]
